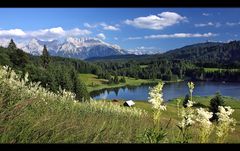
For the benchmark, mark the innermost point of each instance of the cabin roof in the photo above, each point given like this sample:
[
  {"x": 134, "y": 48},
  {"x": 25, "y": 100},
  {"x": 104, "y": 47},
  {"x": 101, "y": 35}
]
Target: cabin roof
[{"x": 130, "y": 102}]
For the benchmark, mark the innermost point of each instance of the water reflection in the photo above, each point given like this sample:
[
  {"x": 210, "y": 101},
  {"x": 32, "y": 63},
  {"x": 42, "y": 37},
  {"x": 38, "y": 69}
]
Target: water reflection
[{"x": 170, "y": 91}]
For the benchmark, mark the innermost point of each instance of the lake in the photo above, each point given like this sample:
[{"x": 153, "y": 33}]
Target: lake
[{"x": 170, "y": 91}]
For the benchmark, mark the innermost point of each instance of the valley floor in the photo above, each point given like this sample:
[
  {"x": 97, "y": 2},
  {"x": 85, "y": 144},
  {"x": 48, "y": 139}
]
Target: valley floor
[{"x": 93, "y": 83}]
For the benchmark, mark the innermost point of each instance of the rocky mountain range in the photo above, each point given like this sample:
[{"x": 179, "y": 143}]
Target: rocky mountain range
[{"x": 80, "y": 48}]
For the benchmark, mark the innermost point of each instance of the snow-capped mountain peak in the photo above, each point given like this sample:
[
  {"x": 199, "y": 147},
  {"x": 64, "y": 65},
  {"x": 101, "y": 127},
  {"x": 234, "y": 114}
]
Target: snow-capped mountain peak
[
  {"x": 80, "y": 48},
  {"x": 33, "y": 47}
]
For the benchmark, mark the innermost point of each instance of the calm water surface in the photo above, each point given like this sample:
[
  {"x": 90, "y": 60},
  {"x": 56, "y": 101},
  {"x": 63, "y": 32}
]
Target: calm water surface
[{"x": 170, "y": 91}]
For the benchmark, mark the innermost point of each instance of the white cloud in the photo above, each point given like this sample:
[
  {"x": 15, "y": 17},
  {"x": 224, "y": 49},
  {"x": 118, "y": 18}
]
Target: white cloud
[
  {"x": 12, "y": 33},
  {"x": 134, "y": 38},
  {"x": 101, "y": 36},
  {"x": 205, "y": 14},
  {"x": 208, "y": 24},
  {"x": 115, "y": 38},
  {"x": 176, "y": 35},
  {"x": 156, "y": 22},
  {"x": 104, "y": 25},
  {"x": 77, "y": 32},
  {"x": 109, "y": 27},
  {"x": 87, "y": 25},
  {"x": 204, "y": 25},
  {"x": 232, "y": 23},
  {"x": 45, "y": 34},
  {"x": 180, "y": 35}
]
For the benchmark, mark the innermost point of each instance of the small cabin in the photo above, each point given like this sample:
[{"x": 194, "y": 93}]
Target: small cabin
[{"x": 128, "y": 103}]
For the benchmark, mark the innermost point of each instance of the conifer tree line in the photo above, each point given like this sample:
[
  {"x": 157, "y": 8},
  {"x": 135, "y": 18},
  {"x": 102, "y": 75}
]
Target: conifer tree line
[
  {"x": 53, "y": 72},
  {"x": 167, "y": 70}
]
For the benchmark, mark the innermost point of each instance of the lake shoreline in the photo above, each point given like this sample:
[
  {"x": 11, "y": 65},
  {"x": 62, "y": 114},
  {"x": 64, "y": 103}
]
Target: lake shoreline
[
  {"x": 121, "y": 85},
  {"x": 171, "y": 90}
]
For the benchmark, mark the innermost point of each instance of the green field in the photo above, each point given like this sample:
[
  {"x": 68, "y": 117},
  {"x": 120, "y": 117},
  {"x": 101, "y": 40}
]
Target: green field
[
  {"x": 218, "y": 69},
  {"x": 143, "y": 66},
  {"x": 172, "y": 114},
  {"x": 93, "y": 83},
  {"x": 203, "y": 102}
]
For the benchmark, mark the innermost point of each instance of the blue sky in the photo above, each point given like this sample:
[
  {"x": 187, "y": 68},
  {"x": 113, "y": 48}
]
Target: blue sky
[{"x": 130, "y": 28}]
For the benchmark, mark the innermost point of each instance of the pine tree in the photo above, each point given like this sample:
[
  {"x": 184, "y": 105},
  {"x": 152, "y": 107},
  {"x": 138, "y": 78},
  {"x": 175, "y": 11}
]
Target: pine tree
[
  {"x": 19, "y": 58},
  {"x": 45, "y": 57},
  {"x": 116, "y": 80},
  {"x": 12, "y": 45},
  {"x": 123, "y": 80},
  {"x": 214, "y": 104},
  {"x": 80, "y": 89}
]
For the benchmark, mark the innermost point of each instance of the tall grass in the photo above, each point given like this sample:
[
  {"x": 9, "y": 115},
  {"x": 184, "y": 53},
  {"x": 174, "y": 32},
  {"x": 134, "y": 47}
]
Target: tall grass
[{"x": 32, "y": 114}]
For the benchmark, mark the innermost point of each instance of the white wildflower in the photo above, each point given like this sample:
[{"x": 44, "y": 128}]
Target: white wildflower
[
  {"x": 191, "y": 87},
  {"x": 156, "y": 97},
  {"x": 178, "y": 106},
  {"x": 157, "y": 101},
  {"x": 225, "y": 123},
  {"x": 205, "y": 126},
  {"x": 190, "y": 103}
]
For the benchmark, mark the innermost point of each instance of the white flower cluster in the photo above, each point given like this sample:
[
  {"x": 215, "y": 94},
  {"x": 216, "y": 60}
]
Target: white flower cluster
[
  {"x": 190, "y": 103},
  {"x": 225, "y": 123},
  {"x": 191, "y": 86},
  {"x": 203, "y": 117},
  {"x": 187, "y": 118},
  {"x": 21, "y": 87},
  {"x": 156, "y": 97},
  {"x": 204, "y": 123}
]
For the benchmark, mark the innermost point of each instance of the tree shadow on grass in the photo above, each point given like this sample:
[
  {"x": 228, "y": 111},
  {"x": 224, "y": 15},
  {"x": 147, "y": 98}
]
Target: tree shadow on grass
[{"x": 199, "y": 105}]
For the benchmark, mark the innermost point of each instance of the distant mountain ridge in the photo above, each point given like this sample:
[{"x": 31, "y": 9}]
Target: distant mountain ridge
[
  {"x": 207, "y": 52},
  {"x": 92, "y": 49},
  {"x": 200, "y": 52},
  {"x": 80, "y": 48}
]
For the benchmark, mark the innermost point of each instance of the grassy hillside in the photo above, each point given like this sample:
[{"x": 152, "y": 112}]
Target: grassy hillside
[
  {"x": 30, "y": 113},
  {"x": 172, "y": 112}
]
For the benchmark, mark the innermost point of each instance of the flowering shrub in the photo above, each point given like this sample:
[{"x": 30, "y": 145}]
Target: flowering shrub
[
  {"x": 191, "y": 87},
  {"x": 157, "y": 101},
  {"x": 225, "y": 123},
  {"x": 204, "y": 123},
  {"x": 201, "y": 118},
  {"x": 187, "y": 121}
]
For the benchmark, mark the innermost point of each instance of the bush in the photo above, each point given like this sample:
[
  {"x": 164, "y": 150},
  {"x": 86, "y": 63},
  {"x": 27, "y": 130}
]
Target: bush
[
  {"x": 185, "y": 101},
  {"x": 123, "y": 80},
  {"x": 214, "y": 104}
]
